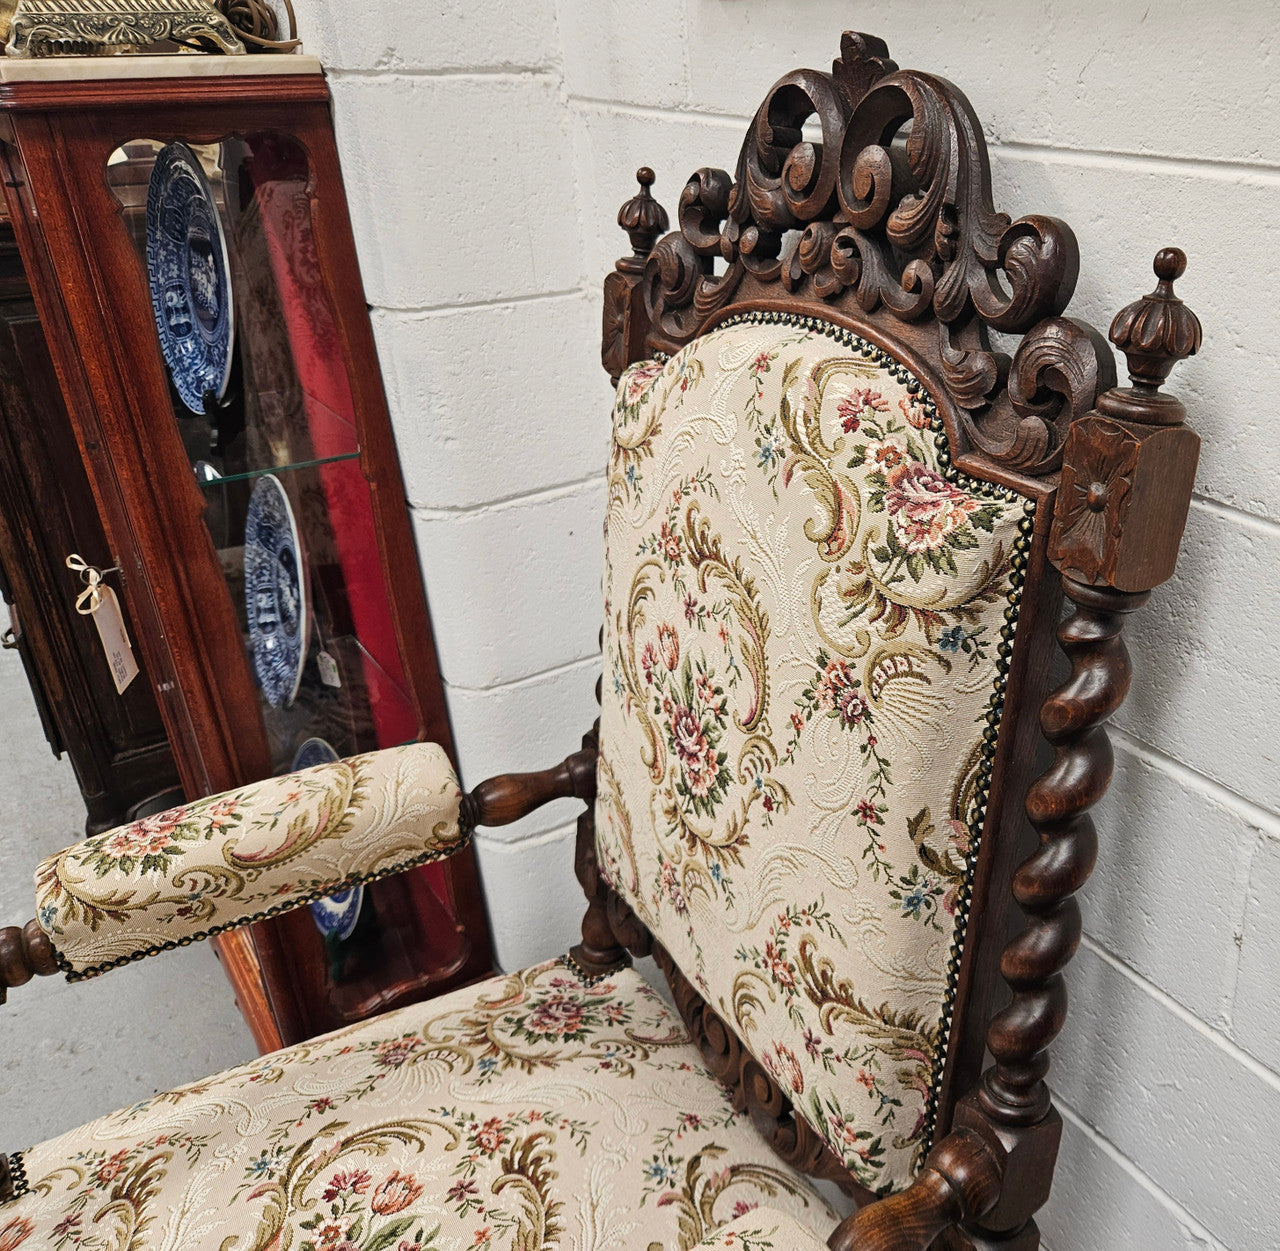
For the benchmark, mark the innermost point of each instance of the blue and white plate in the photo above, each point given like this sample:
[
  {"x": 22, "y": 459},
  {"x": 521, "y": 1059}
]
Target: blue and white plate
[
  {"x": 337, "y": 915},
  {"x": 275, "y": 592},
  {"x": 315, "y": 751},
  {"x": 190, "y": 277}
]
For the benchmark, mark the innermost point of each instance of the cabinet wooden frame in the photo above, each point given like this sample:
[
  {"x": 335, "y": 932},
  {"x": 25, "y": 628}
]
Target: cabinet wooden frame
[
  {"x": 900, "y": 243},
  {"x": 92, "y": 293}
]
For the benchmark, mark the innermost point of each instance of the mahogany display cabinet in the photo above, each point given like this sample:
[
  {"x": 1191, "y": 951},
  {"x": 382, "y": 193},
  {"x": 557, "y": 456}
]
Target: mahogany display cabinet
[{"x": 184, "y": 231}]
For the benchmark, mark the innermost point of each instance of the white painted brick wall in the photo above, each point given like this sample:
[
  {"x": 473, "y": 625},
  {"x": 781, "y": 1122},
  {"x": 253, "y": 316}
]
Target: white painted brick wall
[{"x": 486, "y": 148}]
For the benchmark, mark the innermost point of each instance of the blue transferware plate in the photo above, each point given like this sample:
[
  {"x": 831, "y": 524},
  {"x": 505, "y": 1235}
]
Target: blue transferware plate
[
  {"x": 315, "y": 751},
  {"x": 337, "y": 915},
  {"x": 275, "y": 593},
  {"x": 190, "y": 277}
]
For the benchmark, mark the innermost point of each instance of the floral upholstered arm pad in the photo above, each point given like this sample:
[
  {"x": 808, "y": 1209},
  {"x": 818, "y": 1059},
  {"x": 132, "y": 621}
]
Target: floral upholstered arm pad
[
  {"x": 208, "y": 866},
  {"x": 763, "y": 1229}
]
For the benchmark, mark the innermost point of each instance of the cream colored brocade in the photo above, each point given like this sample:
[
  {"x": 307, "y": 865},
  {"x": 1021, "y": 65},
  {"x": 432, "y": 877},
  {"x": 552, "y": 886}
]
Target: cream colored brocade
[{"x": 806, "y": 613}]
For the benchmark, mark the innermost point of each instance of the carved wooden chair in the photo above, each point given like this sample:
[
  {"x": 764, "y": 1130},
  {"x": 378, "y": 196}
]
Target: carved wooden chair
[{"x": 840, "y": 526}]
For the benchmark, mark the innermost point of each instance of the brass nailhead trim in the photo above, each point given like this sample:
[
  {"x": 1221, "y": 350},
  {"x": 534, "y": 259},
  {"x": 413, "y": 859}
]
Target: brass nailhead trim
[{"x": 18, "y": 1175}]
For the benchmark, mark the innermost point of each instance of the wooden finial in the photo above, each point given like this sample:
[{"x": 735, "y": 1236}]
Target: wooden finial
[
  {"x": 642, "y": 217},
  {"x": 1159, "y": 330}
]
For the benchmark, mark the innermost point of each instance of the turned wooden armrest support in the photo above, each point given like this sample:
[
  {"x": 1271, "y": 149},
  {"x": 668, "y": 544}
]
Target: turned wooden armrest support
[
  {"x": 510, "y": 796},
  {"x": 960, "y": 1181},
  {"x": 24, "y": 953}
]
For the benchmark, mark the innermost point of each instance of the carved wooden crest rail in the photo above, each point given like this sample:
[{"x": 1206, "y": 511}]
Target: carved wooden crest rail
[{"x": 902, "y": 234}]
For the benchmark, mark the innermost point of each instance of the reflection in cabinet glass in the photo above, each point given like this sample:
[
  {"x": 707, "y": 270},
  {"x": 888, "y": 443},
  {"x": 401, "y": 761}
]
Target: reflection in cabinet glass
[{"x": 240, "y": 449}]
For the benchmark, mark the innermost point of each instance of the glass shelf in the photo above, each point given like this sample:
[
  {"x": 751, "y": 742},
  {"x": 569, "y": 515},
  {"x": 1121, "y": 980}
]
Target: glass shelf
[{"x": 247, "y": 475}]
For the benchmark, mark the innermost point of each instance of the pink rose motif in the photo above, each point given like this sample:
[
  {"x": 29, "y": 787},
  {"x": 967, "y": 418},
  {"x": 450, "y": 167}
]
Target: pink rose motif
[
  {"x": 147, "y": 837},
  {"x": 890, "y": 451},
  {"x": 670, "y": 544},
  {"x": 671, "y": 884},
  {"x": 395, "y": 1193},
  {"x": 697, "y": 756},
  {"x": 357, "y": 1182},
  {"x": 923, "y": 507},
  {"x": 784, "y": 1068},
  {"x": 858, "y": 405},
  {"x": 111, "y": 1168},
  {"x": 914, "y": 411},
  {"x": 838, "y": 692},
  {"x": 707, "y": 693},
  {"x": 490, "y": 1137},
  {"x": 648, "y": 662},
  {"x": 395, "y": 1052},
  {"x": 640, "y": 378},
  {"x": 779, "y": 969},
  {"x": 557, "y": 1016}
]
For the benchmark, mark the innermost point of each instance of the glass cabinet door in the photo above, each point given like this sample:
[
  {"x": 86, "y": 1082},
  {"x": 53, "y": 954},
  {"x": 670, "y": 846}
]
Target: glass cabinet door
[{"x": 262, "y": 401}]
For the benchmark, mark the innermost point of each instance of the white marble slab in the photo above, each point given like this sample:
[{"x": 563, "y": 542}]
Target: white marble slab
[{"x": 178, "y": 65}]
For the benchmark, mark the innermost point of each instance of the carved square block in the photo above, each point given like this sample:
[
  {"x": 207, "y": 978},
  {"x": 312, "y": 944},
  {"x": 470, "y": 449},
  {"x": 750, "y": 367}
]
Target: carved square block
[{"x": 1123, "y": 501}]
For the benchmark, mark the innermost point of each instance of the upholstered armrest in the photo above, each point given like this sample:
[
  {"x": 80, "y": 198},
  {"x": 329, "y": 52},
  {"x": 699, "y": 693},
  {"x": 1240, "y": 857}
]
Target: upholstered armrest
[
  {"x": 178, "y": 877},
  {"x": 764, "y": 1229}
]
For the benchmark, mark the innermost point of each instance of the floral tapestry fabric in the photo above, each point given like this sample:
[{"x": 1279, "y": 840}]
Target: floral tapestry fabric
[
  {"x": 533, "y": 1111},
  {"x": 765, "y": 1229},
  {"x": 182, "y": 875},
  {"x": 807, "y": 618}
]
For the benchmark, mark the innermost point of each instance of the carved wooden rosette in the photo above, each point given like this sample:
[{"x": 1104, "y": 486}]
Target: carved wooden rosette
[{"x": 898, "y": 239}]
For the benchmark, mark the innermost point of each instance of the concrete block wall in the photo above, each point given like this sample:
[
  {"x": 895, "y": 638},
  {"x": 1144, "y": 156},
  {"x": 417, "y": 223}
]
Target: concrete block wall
[{"x": 486, "y": 159}]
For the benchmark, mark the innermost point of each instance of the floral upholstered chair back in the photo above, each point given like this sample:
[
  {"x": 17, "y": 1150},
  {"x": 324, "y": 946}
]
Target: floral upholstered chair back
[{"x": 808, "y": 615}]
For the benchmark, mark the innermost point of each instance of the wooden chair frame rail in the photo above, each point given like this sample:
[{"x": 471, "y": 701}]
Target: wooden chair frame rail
[{"x": 902, "y": 244}]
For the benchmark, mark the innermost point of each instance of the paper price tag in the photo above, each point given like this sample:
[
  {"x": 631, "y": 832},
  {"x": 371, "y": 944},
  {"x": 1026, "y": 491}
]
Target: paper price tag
[
  {"x": 328, "y": 669},
  {"x": 115, "y": 639}
]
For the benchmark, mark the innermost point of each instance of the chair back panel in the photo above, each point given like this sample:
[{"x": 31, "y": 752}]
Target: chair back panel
[{"x": 809, "y": 615}]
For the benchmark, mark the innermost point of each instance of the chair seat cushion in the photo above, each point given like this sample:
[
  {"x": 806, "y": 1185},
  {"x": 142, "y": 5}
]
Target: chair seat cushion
[{"x": 534, "y": 1110}]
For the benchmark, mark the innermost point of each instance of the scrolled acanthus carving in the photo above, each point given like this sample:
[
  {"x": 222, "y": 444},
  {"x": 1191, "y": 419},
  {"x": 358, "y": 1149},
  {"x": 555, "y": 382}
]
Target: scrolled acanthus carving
[{"x": 831, "y": 201}]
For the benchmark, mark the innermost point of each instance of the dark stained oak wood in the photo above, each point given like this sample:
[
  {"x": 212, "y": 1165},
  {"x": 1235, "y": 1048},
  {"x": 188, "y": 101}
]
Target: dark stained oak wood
[
  {"x": 961, "y": 1177},
  {"x": 24, "y": 953},
  {"x": 115, "y": 742},
  {"x": 901, "y": 243},
  {"x": 507, "y": 798}
]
